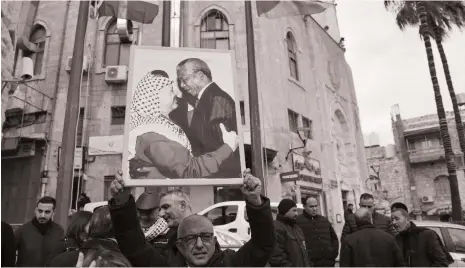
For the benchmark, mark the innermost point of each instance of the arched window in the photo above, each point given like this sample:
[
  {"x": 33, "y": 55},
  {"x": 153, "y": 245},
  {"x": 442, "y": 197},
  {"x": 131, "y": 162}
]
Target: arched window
[
  {"x": 214, "y": 31},
  {"x": 38, "y": 37},
  {"x": 292, "y": 55},
  {"x": 442, "y": 187},
  {"x": 116, "y": 51}
]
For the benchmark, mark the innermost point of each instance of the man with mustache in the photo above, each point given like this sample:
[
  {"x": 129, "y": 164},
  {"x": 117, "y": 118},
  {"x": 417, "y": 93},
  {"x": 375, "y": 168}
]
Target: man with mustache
[
  {"x": 35, "y": 240},
  {"x": 290, "y": 248},
  {"x": 195, "y": 244}
]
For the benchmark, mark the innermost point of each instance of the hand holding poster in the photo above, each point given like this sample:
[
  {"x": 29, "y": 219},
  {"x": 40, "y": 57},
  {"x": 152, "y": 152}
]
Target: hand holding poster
[{"x": 181, "y": 124}]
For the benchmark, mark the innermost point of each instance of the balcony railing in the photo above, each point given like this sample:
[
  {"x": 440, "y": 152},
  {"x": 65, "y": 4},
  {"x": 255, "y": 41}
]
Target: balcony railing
[{"x": 426, "y": 155}]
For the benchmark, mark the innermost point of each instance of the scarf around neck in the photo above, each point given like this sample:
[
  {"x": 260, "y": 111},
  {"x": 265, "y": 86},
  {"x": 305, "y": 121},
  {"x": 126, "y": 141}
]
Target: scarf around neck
[{"x": 160, "y": 227}]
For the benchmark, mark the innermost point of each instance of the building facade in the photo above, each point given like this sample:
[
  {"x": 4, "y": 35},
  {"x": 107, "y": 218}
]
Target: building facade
[
  {"x": 305, "y": 87},
  {"x": 388, "y": 171}
]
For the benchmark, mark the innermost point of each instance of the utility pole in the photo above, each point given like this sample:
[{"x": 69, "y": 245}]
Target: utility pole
[
  {"x": 65, "y": 172},
  {"x": 255, "y": 131}
]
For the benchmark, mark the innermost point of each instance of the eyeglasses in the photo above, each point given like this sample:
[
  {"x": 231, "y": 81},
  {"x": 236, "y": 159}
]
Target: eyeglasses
[
  {"x": 366, "y": 206},
  {"x": 191, "y": 239}
]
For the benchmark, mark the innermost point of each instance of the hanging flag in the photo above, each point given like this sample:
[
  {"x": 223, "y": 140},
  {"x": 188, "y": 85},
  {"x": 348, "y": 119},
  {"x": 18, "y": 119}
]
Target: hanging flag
[
  {"x": 140, "y": 11},
  {"x": 277, "y": 9}
]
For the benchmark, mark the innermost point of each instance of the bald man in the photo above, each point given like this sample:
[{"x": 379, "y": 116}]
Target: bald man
[
  {"x": 195, "y": 243},
  {"x": 321, "y": 240},
  {"x": 369, "y": 246}
]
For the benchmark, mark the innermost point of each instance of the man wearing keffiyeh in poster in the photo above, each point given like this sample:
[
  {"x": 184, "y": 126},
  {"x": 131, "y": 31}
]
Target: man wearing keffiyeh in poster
[
  {"x": 212, "y": 107},
  {"x": 158, "y": 147}
]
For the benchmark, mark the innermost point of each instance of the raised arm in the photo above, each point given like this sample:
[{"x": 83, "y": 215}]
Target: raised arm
[
  {"x": 131, "y": 239},
  {"x": 258, "y": 250}
]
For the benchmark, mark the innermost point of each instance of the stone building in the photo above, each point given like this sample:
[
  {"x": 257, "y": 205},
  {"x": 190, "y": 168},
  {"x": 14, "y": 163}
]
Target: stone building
[
  {"x": 303, "y": 81},
  {"x": 388, "y": 171}
]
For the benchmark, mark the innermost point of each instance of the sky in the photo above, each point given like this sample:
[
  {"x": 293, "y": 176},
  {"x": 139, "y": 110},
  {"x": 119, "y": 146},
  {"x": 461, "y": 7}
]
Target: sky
[{"x": 390, "y": 67}]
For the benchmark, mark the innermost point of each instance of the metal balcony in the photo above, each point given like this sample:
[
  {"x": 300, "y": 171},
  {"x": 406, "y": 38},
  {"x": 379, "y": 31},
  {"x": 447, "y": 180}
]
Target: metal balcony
[{"x": 427, "y": 155}]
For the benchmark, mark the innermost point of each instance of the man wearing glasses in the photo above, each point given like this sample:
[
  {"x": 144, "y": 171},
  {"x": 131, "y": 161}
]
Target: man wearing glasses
[
  {"x": 380, "y": 221},
  {"x": 194, "y": 244}
]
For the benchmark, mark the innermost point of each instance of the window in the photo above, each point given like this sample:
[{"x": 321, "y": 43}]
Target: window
[
  {"x": 458, "y": 239},
  {"x": 106, "y": 187},
  {"x": 241, "y": 103},
  {"x": 411, "y": 145},
  {"x": 292, "y": 55},
  {"x": 80, "y": 128},
  {"x": 214, "y": 31},
  {"x": 38, "y": 37},
  {"x": 293, "y": 120},
  {"x": 438, "y": 231},
  {"x": 227, "y": 193},
  {"x": 307, "y": 123},
  {"x": 116, "y": 52},
  {"x": 442, "y": 187},
  {"x": 117, "y": 115},
  {"x": 222, "y": 215}
]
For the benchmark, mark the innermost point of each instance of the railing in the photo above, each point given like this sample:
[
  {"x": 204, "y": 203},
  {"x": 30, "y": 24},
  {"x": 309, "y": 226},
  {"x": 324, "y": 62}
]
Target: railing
[{"x": 426, "y": 155}]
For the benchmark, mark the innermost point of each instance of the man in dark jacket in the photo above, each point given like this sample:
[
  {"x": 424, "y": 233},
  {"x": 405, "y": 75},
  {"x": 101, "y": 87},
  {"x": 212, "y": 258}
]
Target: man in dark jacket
[
  {"x": 379, "y": 221},
  {"x": 420, "y": 247},
  {"x": 369, "y": 246},
  {"x": 8, "y": 246},
  {"x": 35, "y": 240},
  {"x": 290, "y": 248},
  {"x": 320, "y": 238},
  {"x": 195, "y": 244}
]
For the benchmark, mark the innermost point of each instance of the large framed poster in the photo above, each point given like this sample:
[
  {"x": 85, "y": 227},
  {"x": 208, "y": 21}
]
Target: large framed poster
[{"x": 182, "y": 123}]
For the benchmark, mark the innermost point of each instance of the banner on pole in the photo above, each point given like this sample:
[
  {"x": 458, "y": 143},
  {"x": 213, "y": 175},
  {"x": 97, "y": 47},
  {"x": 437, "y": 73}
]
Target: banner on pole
[{"x": 182, "y": 117}]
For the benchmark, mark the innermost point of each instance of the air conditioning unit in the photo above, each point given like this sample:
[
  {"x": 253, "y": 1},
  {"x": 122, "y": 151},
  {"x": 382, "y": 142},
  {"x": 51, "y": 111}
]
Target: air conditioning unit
[
  {"x": 16, "y": 103},
  {"x": 460, "y": 99},
  {"x": 24, "y": 149},
  {"x": 427, "y": 199},
  {"x": 117, "y": 74},
  {"x": 85, "y": 64}
]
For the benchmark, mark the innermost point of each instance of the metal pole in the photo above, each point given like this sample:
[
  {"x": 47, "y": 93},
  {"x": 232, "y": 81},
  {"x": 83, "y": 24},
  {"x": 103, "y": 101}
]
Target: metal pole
[
  {"x": 166, "y": 24},
  {"x": 65, "y": 173},
  {"x": 255, "y": 132}
]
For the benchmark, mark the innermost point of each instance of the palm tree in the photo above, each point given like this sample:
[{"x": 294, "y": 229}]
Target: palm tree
[
  {"x": 420, "y": 12},
  {"x": 441, "y": 16}
]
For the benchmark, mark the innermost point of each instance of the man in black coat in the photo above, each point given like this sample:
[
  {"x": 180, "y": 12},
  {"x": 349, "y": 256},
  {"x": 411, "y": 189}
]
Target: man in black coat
[
  {"x": 35, "y": 240},
  {"x": 8, "y": 246},
  {"x": 380, "y": 221},
  {"x": 290, "y": 248},
  {"x": 420, "y": 247},
  {"x": 195, "y": 245},
  {"x": 369, "y": 246},
  {"x": 320, "y": 238},
  {"x": 212, "y": 107}
]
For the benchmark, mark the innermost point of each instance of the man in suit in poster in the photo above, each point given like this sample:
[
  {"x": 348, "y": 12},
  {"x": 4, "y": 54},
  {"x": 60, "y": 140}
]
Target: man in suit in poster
[{"x": 212, "y": 106}]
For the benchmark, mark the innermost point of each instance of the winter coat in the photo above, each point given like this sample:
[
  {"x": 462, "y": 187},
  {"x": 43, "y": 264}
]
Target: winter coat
[
  {"x": 290, "y": 248},
  {"x": 140, "y": 253},
  {"x": 33, "y": 246},
  {"x": 422, "y": 247},
  {"x": 380, "y": 221},
  {"x": 320, "y": 238},
  {"x": 370, "y": 247},
  {"x": 8, "y": 246},
  {"x": 69, "y": 258}
]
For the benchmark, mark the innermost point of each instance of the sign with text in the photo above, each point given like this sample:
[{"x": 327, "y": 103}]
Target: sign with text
[
  {"x": 106, "y": 145},
  {"x": 78, "y": 158},
  {"x": 306, "y": 165}
]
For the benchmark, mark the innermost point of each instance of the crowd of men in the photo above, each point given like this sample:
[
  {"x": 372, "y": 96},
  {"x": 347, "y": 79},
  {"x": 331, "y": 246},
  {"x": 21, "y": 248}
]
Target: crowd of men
[{"x": 162, "y": 231}]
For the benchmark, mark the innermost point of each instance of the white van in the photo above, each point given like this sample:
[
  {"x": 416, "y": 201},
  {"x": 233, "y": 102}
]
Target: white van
[{"x": 230, "y": 216}]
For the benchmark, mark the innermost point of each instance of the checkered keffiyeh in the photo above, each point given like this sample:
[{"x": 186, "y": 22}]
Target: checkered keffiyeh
[
  {"x": 158, "y": 228},
  {"x": 146, "y": 115}
]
